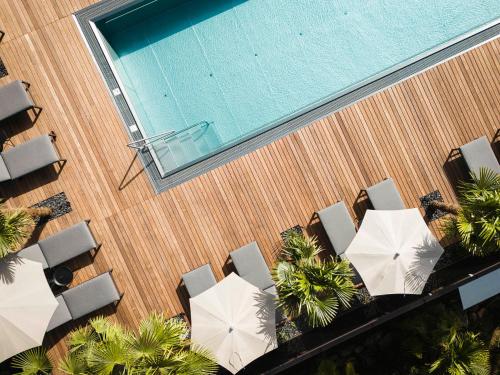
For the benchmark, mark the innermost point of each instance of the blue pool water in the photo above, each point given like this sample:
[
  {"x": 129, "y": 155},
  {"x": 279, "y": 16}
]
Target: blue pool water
[{"x": 244, "y": 66}]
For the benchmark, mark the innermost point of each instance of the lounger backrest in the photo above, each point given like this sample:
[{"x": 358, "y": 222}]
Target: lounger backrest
[
  {"x": 34, "y": 253},
  {"x": 479, "y": 154},
  {"x": 14, "y": 99},
  {"x": 199, "y": 280},
  {"x": 91, "y": 295},
  {"x": 28, "y": 157},
  {"x": 338, "y": 225},
  {"x": 385, "y": 196},
  {"x": 251, "y": 266},
  {"x": 4, "y": 171},
  {"x": 67, "y": 244}
]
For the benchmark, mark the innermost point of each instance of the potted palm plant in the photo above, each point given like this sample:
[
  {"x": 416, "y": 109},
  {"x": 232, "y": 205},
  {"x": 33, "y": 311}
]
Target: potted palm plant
[
  {"x": 16, "y": 227},
  {"x": 308, "y": 285},
  {"x": 159, "y": 346},
  {"x": 475, "y": 222},
  {"x": 461, "y": 352}
]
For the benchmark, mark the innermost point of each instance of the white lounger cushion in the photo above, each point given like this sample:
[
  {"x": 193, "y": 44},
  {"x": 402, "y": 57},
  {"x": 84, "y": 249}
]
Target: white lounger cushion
[
  {"x": 67, "y": 244},
  {"x": 62, "y": 246},
  {"x": 385, "y": 196},
  {"x": 251, "y": 266},
  {"x": 478, "y": 154},
  {"x": 199, "y": 280},
  {"x": 61, "y": 315},
  {"x": 28, "y": 157},
  {"x": 34, "y": 253},
  {"x": 14, "y": 99},
  {"x": 91, "y": 295},
  {"x": 338, "y": 226}
]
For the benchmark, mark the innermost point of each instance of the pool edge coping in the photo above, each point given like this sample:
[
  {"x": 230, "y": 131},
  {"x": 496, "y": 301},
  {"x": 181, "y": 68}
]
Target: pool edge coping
[{"x": 86, "y": 17}]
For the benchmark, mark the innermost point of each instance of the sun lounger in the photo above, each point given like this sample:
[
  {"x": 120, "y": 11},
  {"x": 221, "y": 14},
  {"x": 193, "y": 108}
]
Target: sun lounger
[
  {"x": 252, "y": 267},
  {"x": 338, "y": 226},
  {"x": 199, "y": 280},
  {"x": 478, "y": 154},
  {"x": 385, "y": 196},
  {"x": 14, "y": 98},
  {"x": 28, "y": 157},
  {"x": 84, "y": 299},
  {"x": 63, "y": 246}
]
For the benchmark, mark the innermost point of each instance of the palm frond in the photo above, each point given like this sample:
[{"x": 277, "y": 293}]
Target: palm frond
[
  {"x": 462, "y": 353},
  {"x": 16, "y": 226},
  {"x": 81, "y": 338},
  {"x": 297, "y": 247},
  {"x": 35, "y": 361},
  {"x": 310, "y": 286},
  {"x": 477, "y": 223},
  {"x": 109, "y": 358},
  {"x": 74, "y": 364}
]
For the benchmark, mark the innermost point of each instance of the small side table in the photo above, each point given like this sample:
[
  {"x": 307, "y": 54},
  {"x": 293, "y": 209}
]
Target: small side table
[{"x": 62, "y": 276}]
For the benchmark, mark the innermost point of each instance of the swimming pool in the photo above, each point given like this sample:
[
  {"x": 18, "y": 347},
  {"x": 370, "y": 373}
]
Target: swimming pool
[{"x": 216, "y": 73}]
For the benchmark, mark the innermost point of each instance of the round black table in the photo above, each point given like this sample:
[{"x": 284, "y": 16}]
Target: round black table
[{"x": 62, "y": 276}]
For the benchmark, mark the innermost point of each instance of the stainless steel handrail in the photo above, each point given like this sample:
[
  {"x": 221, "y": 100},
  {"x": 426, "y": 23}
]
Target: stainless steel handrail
[
  {"x": 162, "y": 137},
  {"x": 149, "y": 140},
  {"x": 201, "y": 123}
]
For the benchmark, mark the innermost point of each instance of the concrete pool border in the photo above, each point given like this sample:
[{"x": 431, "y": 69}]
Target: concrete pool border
[{"x": 86, "y": 17}]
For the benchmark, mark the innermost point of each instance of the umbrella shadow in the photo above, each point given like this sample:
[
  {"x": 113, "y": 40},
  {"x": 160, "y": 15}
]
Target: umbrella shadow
[
  {"x": 266, "y": 314},
  {"x": 422, "y": 267},
  {"x": 8, "y": 268}
]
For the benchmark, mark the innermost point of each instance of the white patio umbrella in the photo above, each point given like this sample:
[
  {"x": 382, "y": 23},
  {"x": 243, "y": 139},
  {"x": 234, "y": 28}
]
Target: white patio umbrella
[
  {"x": 235, "y": 321},
  {"x": 394, "y": 252},
  {"x": 26, "y": 305}
]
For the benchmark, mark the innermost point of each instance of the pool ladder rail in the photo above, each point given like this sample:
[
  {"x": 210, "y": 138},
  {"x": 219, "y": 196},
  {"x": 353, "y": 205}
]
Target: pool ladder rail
[{"x": 143, "y": 143}]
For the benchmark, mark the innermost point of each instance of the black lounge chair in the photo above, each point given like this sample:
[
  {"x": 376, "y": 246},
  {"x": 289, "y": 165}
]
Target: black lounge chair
[
  {"x": 199, "y": 280},
  {"x": 338, "y": 225},
  {"x": 252, "y": 267},
  {"x": 86, "y": 298},
  {"x": 28, "y": 157},
  {"x": 63, "y": 246},
  {"x": 15, "y": 98},
  {"x": 479, "y": 154},
  {"x": 385, "y": 196}
]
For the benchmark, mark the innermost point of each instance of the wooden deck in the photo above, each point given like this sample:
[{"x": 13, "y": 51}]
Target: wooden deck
[{"x": 405, "y": 132}]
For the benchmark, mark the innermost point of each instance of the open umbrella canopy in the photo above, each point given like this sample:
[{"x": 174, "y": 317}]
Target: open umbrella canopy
[
  {"x": 26, "y": 305},
  {"x": 394, "y": 252},
  {"x": 235, "y": 321}
]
